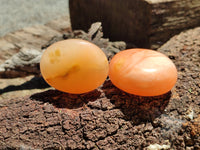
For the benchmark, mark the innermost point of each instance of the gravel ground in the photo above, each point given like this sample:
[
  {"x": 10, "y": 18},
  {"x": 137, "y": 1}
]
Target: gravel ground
[{"x": 17, "y": 14}]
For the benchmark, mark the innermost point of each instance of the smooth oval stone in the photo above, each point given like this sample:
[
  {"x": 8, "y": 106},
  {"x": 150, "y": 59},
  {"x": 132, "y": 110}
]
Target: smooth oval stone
[
  {"x": 142, "y": 72},
  {"x": 74, "y": 66}
]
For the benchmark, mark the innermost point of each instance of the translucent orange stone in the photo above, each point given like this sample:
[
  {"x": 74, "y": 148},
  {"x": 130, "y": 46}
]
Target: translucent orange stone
[
  {"x": 142, "y": 72},
  {"x": 74, "y": 66}
]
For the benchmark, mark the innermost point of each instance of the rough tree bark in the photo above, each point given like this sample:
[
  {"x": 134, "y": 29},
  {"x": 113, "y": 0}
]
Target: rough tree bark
[{"x": 145, "y": 23}]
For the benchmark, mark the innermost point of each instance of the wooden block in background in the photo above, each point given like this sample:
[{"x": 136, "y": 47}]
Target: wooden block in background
[{"x": 145, "y": 23}]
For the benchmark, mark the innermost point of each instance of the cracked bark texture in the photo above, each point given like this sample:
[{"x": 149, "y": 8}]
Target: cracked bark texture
[{"x": 97, "y": 120}]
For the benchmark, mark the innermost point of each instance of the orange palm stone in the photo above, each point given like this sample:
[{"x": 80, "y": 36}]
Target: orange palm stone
[
  {"x": 142, "y": 72},
  {"x": 74, "y": 66}
]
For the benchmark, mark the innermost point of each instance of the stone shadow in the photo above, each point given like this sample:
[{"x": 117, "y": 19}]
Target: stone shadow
[
  {"x": 34, "y": 83},
  {"x": 65, "y": 100},
  {"x": 136, "y": 108}
]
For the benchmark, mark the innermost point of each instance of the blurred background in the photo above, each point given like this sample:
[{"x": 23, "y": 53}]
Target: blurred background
[{"x": 17, "y": 14}]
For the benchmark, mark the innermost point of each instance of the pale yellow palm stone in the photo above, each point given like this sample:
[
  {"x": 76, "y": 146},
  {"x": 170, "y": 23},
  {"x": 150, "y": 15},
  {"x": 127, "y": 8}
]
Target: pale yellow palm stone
[{"x": 74, "y": 66}]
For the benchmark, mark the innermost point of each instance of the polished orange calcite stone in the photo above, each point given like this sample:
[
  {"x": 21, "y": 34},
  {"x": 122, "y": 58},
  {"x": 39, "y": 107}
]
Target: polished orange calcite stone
[
  {"x": 142, "y": 72},
  {"x": 74, "y": 66}
]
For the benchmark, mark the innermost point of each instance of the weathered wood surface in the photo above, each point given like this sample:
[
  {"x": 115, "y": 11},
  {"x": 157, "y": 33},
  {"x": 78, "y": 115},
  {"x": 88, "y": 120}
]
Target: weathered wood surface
[
  {"x": 26, "y": 62},
  {"x": 32, "y": 37},
  {"x": 145, "y": 23}
]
